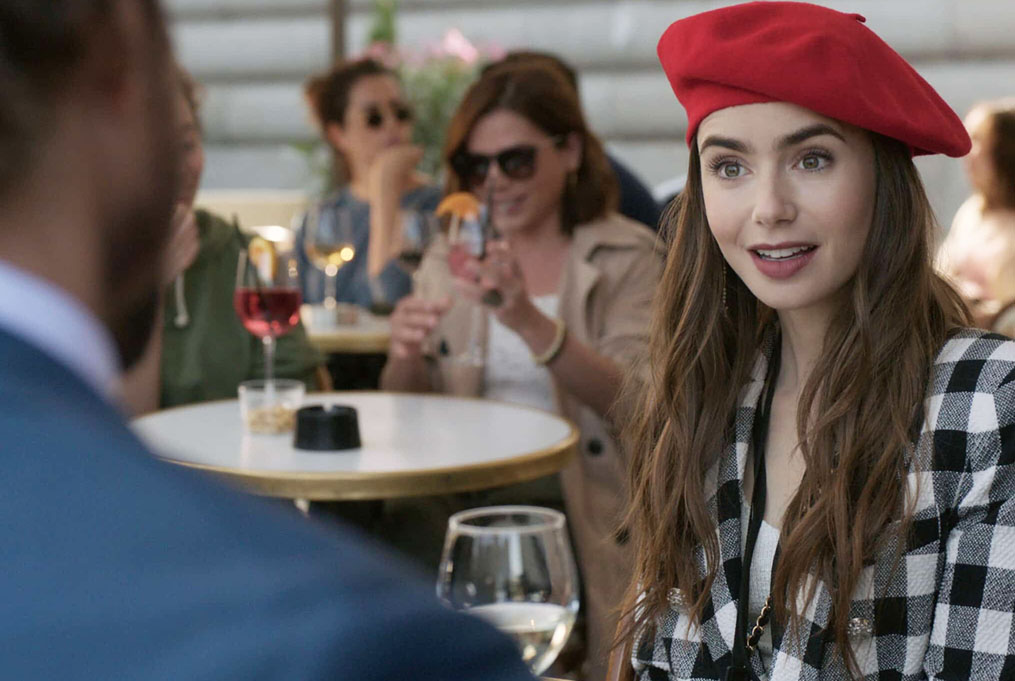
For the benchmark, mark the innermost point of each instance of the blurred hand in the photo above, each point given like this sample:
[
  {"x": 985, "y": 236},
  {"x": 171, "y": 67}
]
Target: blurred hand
[
  {"x": 393, "y": 169},
  {"x": 184, "y": 244},
  {"x": 411, "y": 322},
  {"x": 499, "y": 271}
]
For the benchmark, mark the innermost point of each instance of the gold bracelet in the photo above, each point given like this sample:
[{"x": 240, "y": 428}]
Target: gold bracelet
[{"x": 556, "y": 346}]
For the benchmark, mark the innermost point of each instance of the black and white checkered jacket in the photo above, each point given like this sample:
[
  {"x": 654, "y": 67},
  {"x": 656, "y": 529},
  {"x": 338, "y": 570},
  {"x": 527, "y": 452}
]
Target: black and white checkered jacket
[{"x": 947, "y": 610}]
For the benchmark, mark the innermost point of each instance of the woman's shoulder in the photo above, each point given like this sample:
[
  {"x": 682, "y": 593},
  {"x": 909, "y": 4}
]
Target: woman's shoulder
[
  {"x": 206, "y": 220},
  {"x": 976, "y": 345},
  {"x": 423, "y": 197},
  {"x": 973, "y": 365},
  {"x": 341, "y": 198},
  {"x": 614, "y": 231},
  {"x": 969, "y": 419},
  {"x": 217, "y": 234},
  {"x": 969, "y": 212}
]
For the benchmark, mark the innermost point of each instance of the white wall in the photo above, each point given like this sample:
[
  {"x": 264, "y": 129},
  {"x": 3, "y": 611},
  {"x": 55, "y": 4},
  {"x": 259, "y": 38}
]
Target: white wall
[{"x": 254, "y": 54}]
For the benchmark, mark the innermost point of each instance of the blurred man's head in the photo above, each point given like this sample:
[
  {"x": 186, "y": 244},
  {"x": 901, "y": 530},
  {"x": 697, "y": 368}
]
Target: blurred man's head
[{"x": 87, "y": 153}]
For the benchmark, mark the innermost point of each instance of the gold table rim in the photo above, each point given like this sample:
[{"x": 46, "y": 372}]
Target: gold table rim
[
  {"x": 349, "y": 338},
  {"x": 358, "y": 486},
  {"x": 373, "y": 342}
]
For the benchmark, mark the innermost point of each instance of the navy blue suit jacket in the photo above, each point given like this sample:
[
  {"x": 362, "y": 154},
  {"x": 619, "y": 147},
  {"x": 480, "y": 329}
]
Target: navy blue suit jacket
[{"x": 114, "y": 565}]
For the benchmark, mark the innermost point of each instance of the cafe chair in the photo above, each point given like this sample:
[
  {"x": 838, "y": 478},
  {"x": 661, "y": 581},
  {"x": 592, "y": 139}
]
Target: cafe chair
[{"x": 322, "y": 380}]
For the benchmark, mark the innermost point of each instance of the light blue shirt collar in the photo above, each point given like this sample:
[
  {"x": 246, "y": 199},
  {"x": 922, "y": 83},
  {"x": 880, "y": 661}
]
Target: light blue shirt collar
[{"x": 49, "y": 318}]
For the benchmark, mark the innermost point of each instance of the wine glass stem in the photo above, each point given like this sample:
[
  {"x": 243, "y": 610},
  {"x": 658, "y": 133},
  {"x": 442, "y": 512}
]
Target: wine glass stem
[
  {"x": 330, "y": 287},
  {"x": 269, "y": 357}
]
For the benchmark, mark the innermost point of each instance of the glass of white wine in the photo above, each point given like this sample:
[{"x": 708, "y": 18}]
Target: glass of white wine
[
  {"x": 329, "y": 243},
  {"x": 512, "y": 566}
]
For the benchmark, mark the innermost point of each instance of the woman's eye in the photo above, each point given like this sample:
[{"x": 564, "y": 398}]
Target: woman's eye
[
  {"x": 730, "y": 170},
  {"x": 813, "y": 162}
]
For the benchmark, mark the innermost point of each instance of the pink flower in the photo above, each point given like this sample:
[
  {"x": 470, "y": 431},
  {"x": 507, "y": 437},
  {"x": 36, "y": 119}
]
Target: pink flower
[
  {"x": 383, "y": 52},
  {"x": 457, "y": 45},
  {"x": 494, "y": 51}
]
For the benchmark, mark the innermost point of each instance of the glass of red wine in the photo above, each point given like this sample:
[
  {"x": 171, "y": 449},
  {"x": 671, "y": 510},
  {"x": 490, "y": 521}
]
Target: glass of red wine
[{"x": 267, "y": 297}]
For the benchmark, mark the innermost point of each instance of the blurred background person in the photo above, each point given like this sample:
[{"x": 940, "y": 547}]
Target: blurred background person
[
  {"x": 203, "y": 351},
  {"x": 366, "y": 119},
  {"x": 635, "y": 199},
  {"x": 575, "y": 281},
  {"x": 978, "y": 254}
]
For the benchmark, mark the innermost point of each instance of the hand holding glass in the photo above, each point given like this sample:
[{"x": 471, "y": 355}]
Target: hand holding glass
[{"x": 512, "y": 566}]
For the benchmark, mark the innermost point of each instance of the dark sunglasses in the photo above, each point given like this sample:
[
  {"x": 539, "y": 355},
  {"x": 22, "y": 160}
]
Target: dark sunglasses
[
  {"x": 375, "y": 115},
  {"x": 516, "y": 163}
]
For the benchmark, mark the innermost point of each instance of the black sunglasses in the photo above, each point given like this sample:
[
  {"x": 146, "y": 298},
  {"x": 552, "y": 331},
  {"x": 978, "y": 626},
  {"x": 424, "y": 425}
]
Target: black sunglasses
[
  {"x": 375, "y": 115},
  {"x": 517, "y": 163}
]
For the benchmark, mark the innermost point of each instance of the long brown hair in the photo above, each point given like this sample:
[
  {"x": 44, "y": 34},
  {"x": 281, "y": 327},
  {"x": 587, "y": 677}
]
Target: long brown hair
[
  {"x": 546, "y": 100},
  {"x": 863, "y": 393},
  {"x": 1001, "y": 124}
]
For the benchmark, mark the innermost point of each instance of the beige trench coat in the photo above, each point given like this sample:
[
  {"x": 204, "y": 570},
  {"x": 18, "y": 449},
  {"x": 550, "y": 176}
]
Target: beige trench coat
[{"x": 607, "y": 288}]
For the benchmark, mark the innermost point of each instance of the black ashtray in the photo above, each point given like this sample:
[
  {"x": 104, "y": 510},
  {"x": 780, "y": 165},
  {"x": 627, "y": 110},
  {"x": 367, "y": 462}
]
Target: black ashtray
[{"x": 330, "y": 428}]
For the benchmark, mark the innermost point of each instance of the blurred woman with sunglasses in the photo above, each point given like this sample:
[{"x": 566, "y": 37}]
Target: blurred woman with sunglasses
[
  {"x": 574, "y": 282},
  {"x": 365, "y": 118}
]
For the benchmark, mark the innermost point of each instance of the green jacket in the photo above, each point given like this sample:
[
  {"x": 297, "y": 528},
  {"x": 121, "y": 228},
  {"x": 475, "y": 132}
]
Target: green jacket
[{"x": 207, "y": 357}]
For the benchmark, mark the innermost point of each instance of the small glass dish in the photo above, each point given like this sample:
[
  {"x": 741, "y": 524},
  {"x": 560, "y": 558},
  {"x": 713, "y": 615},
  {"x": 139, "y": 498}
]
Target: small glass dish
[{"x": 269, "y": 407}]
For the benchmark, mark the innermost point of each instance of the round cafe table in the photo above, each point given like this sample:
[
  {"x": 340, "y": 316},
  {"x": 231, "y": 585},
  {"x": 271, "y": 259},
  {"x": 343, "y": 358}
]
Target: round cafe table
[{"x": 413, "y": 445}]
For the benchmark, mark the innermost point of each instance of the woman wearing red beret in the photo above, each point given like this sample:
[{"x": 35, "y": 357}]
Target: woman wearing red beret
[{"x": 823, "y": 482}]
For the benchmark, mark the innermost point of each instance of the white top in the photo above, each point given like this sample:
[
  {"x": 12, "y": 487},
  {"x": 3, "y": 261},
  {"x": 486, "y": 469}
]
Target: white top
[
  {"x": 760, "y": 580},
  {"x": 978, "y": 255},
  {"x": 47, "y": 317},
  {"x": 511, "y": 375}
]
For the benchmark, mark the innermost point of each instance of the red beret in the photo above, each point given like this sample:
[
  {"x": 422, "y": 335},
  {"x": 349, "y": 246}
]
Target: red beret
[{"x": 812, "y": 56}]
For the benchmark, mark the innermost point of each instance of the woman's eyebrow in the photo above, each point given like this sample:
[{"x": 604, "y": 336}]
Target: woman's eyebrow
[
  {"x": 810, "y": 131},
  {"x": 725, "y": 142},
  {"x": 789, "y": 140}
]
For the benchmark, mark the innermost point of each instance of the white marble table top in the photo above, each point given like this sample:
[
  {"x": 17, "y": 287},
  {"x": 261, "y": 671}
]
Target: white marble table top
[{"x": 412, "y": 445}]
